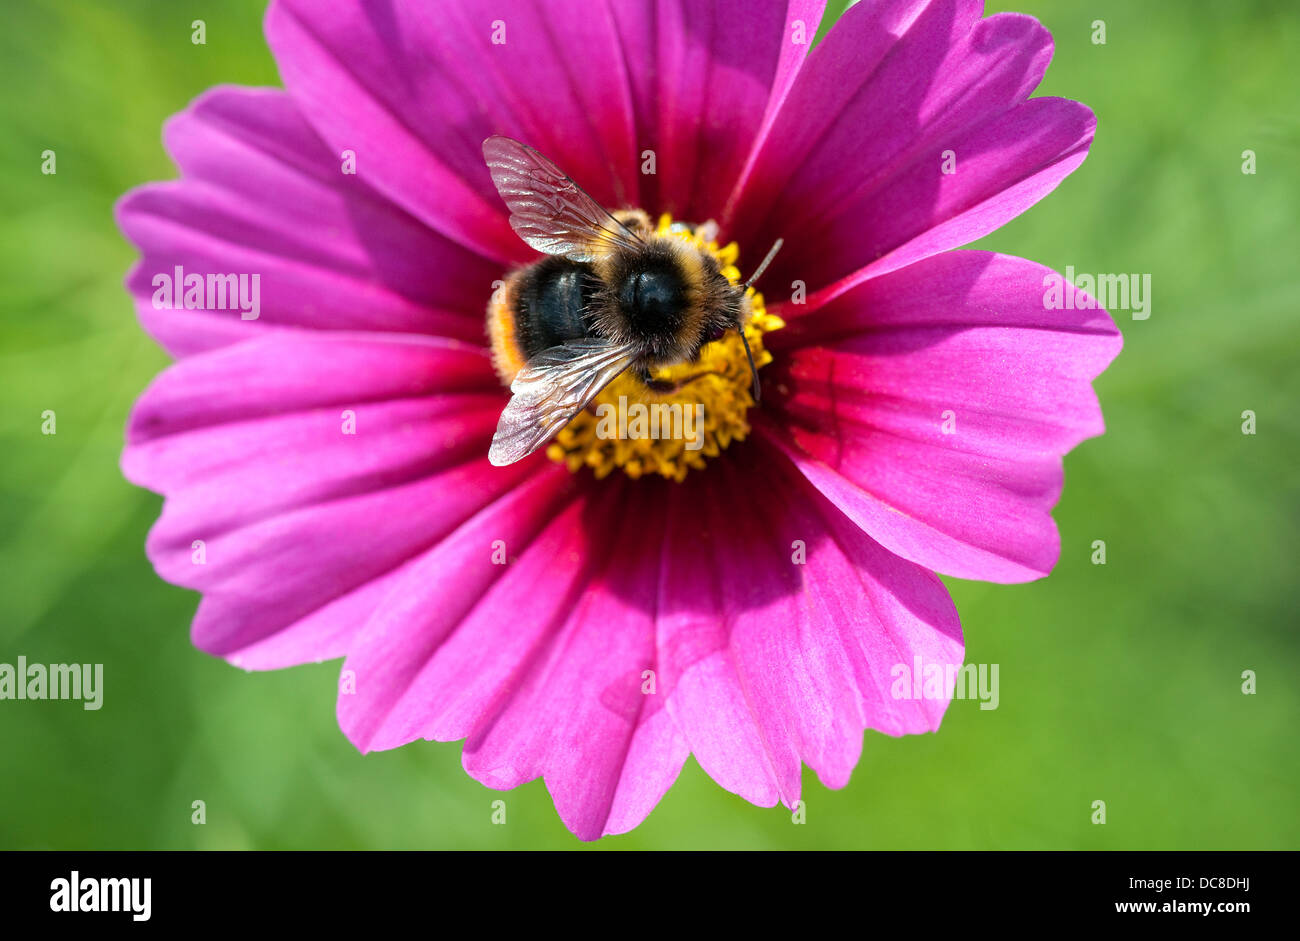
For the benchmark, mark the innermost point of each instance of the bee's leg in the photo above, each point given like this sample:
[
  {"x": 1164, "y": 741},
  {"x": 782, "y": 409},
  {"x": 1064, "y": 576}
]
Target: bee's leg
[
  {"x": 658, "y": 386},
  {"x": 665, "y": 387}
]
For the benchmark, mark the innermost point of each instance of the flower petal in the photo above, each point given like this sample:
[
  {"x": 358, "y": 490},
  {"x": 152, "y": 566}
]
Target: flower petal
[
  {"x": 262, "y": 195},
  {"x": 539, "y": 663},
  {"x": 312, "y": 468},
  {"x": 415, "y": 89},
  {"x": 780, "y": 625},
  {"x": 853, "y": 175},
  {"x": 594, "y": 86},
  {"x": 707, "y": 80},
  {"x": 933, "y": 406}
]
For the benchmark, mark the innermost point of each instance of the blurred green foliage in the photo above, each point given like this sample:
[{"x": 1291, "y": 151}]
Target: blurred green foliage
[{"x": 1119, "y": 682}]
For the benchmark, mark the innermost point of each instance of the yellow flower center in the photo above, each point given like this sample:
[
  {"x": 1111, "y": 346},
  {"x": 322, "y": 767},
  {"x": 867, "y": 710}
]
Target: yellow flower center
[{"x": 642, "y": 431}]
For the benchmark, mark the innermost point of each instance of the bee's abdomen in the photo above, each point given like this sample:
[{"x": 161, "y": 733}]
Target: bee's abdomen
[{"x": 553, "y": 303}]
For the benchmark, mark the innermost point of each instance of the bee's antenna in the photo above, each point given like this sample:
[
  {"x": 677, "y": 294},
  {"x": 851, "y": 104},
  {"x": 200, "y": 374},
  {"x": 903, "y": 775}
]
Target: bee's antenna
[
  {"x": 753, "y": 370},
  {"x": 763, "y": 266}
]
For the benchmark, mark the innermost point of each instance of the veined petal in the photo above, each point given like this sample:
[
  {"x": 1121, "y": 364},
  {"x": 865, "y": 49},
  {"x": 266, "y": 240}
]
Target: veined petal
[
  {"x": 539, "y": 662},
  {"x": 855, "y": 174},
  {"x": 301, "y": 472},
  {"x": 657, "y": 105},
  {"x": 261, "y": 195},
  {"x": 419, "y": 87},
  {"x": 707, "y": 80},
  {"x": 933, "y": 406},
  {"x": 779, "y": 627}
]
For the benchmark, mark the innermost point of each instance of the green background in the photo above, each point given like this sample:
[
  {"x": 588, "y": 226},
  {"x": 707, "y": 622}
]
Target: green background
[{"x": 1119, "y": 682}]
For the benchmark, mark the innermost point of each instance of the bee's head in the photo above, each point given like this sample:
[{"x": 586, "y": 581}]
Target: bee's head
[{"x": 726, "y": 317}]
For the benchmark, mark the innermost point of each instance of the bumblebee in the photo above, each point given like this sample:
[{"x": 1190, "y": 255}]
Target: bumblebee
[{"x": 611, "y": 296}]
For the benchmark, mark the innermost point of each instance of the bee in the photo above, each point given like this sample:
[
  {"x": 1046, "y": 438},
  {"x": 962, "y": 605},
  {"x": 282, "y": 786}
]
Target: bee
[{"x": 611, "y": 296}]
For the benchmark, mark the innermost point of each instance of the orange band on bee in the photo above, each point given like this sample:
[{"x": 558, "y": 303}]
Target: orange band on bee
[{"x": 507, "y": 354}]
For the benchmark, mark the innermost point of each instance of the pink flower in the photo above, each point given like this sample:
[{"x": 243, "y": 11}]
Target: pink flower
[{"x": 752, "y": 614}]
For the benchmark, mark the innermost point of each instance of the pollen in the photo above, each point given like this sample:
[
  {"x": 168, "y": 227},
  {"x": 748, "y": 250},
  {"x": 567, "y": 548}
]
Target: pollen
[{"x": 634, "y": 428}]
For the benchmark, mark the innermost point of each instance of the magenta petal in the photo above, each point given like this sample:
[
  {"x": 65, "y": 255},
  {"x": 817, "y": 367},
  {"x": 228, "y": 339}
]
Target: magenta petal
[
  {"x": 262, "y": 195},
  {"x": 415, "y": 89},
  {"x": 707, "y": 80},
  {"x": 778, "y": 655},
  {"x": 297, "y": 516},
  {"x": 365, "y": 86},
  {"x": 1006, "y": 165},
  {"x": 862, "y": 391},
  {"x": 581, "y": 714},
  {"x": 853, "y": 171},
  {"x": 594, "y": 86},
  {"x": 538, "y": 662}
]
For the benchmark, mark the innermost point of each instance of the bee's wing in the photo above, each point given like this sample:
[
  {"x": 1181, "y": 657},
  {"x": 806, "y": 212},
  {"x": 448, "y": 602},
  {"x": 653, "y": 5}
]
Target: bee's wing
[
  {"x": 550, "y": 212},
  {"x": 555, "y": 386}
]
